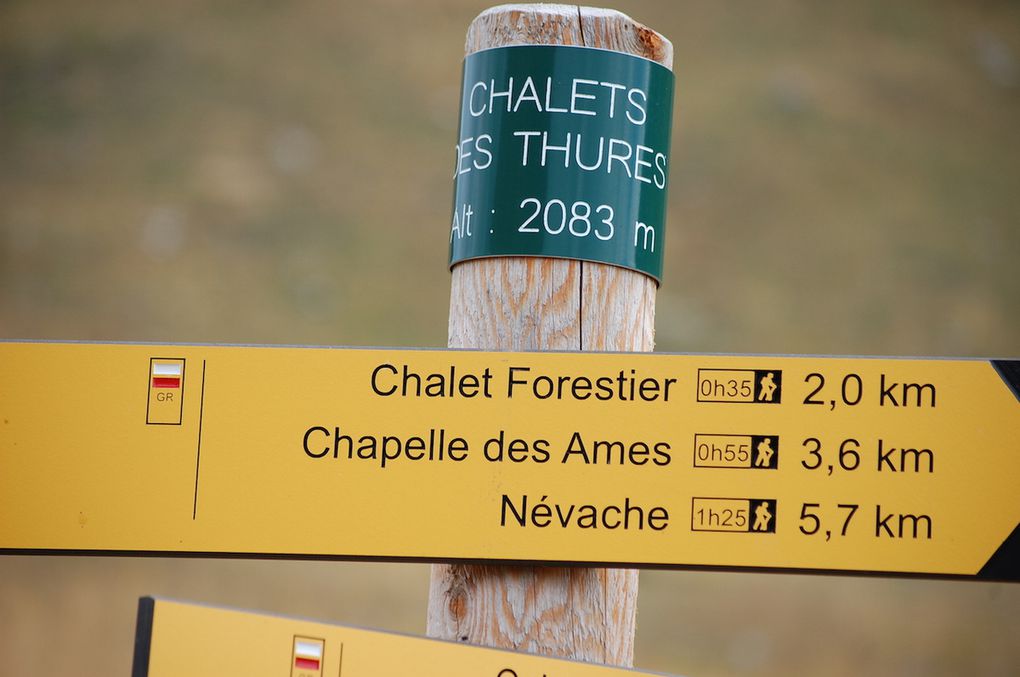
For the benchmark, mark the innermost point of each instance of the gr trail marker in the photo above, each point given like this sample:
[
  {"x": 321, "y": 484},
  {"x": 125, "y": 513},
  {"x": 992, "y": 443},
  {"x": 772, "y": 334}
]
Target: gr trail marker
[
  {"x": 174, "y": 638},
  {"x": 895, "y": 466}
]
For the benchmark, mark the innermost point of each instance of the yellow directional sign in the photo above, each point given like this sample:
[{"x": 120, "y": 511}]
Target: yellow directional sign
[
  {"x": 174, "y": 639},
  {"x": 896, "y": 466}
]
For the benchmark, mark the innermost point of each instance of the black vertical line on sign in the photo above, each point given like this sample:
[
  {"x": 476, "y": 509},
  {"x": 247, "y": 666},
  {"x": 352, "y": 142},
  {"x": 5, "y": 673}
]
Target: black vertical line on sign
[
  {"x": 580, "y": 282},
  {"x": 198, "y": 454},
  {"x": 148, "y": 390},
  {"x": 341, "y": 670}
]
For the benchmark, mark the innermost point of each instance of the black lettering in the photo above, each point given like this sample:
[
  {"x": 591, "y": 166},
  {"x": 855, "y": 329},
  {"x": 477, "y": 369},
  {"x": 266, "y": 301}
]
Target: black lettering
[
  {"x": 587, "y": 517},
  {"x": 468, "y": 385},
  {"x": 541, "y": 451},
  {"x": 366, "y": 448},
  {"x": 660, "y": 515},
  {"x": 541, "y": 511},
  {"x": 638, "y": 453},
  {"x": 512, "y": 381},
  {"x": 415, "y": 444},
  {"x": 579, "y": 449},
  {"x": 564, "y": 519},
  {"x": 517, "y": 450},
  {"x": 605, "y": 520},
  {"x": 391, "y": 448},
  {"x": 887, "y": 393},
  {"x": 337, "y": 439},
  {"x": 917, "y": 455},
  {"x": 497, "y": 455},
  {"x": 435, "y": 385},
  {"x": 545, "y": 513},
  {"x": 918, "y": 390},
  {"x": 581, "y": 388},
  {"x": 665, "y": 389},
  {"x": 375, "y": 374},
  {"x": 486, "y": 380},
  {"x": 883, "y": 458},
  {"x": 882, "y": 523},
  {"x": 662, "y": 456},
  {"x": 916, "y": 521},
  {"x": 308, "y": 433},
  {"x": 628, "y": 509},
  {"x": 609, "y": 448},
  {"x": 649, "y": 389},
  {"x": 457, "y": 450},
  {"x": 516, "y": 515},
  {"x": 544, "y": 382}
]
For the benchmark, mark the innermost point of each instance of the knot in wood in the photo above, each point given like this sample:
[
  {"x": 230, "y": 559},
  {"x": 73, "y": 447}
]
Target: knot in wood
[{"x": 458, "y": 605}]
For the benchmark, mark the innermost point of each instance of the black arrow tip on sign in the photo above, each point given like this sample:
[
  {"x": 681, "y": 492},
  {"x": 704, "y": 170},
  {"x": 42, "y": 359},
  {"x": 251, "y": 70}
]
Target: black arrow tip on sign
[
  {"x": 1004, "y": 565},
  {"x": 1009, "y": 371}
]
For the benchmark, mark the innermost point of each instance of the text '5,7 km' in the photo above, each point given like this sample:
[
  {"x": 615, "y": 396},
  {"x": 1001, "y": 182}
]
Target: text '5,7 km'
[{"x": 895, "y": 466}]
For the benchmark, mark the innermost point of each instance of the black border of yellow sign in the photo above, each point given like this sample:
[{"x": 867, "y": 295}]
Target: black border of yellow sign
[
  {"x": 863, "y": 466},
  {"x": 179, "y": 638}
]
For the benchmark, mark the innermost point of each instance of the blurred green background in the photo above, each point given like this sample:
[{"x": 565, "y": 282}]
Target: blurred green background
[{"x": 845, "y": 180}]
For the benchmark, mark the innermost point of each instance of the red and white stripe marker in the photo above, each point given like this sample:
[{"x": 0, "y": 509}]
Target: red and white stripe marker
[
  {"x": 307, "y": 654},
  {"x": 167, "y": 374}
]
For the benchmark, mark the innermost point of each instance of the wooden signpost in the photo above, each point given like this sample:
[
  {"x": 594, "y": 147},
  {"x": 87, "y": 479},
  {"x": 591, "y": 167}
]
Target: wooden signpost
[{"x": 548, "y": 304}]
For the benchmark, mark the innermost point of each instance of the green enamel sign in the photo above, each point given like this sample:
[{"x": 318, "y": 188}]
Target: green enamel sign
[{"x": 563, "y": 152}]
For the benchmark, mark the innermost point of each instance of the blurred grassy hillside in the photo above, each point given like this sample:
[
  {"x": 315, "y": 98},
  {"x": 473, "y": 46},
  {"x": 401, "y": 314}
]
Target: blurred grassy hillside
[{"x": 844, "y": 181}]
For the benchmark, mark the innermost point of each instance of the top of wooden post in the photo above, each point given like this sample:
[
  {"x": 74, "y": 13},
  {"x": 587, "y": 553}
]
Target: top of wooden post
[{"x": 553, "y": 24}]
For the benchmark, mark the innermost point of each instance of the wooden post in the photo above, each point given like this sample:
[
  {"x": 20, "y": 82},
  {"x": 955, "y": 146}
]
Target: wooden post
[{"x": 548, "y": 304}]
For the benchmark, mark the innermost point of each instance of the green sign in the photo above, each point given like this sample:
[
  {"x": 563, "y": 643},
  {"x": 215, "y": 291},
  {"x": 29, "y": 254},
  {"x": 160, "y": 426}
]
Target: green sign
[{"x": 563, "y": 152}]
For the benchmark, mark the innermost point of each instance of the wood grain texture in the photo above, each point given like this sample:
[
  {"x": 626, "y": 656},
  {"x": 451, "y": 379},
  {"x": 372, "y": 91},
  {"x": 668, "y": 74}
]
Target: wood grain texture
[{"x": 516, "y": 303}]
